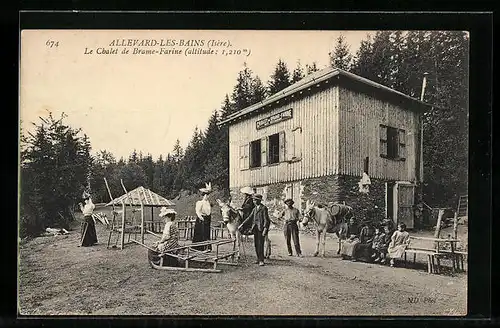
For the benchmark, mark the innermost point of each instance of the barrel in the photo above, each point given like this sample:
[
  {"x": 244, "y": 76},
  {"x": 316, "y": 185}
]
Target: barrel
[{"x": 340, "y": 210}]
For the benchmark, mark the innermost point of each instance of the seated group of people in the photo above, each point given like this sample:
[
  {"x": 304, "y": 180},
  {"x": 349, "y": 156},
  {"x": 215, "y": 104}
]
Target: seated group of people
[{"x": 370, "y": 242}]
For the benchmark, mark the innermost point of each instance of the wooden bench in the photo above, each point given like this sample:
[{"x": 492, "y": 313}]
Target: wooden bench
[
  {"x": 433, "y": 258},
  {"x": 436, "y": 253}
]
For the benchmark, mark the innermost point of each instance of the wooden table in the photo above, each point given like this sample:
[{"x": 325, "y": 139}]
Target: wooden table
[{"x": 437, "y": 251}]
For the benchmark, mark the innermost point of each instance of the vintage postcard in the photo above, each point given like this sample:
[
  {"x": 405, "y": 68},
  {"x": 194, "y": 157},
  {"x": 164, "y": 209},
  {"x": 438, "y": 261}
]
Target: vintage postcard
[{"x": 243, "y": 172}]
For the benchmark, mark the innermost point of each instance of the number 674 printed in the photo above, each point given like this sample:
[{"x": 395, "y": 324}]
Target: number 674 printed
[{"x": 52, "y": 43}]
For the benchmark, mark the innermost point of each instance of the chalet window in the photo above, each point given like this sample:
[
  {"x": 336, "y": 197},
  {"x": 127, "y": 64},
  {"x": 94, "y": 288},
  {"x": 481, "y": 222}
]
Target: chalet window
[
  {"x": 255, "y": 153},
  {"x": 392, "y": 143},
  {"x": 274, "y": 149},
  {"x": 265, "y": 151}
]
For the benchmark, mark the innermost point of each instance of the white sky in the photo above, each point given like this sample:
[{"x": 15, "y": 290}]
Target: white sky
[{"x": 146, "y": 102}]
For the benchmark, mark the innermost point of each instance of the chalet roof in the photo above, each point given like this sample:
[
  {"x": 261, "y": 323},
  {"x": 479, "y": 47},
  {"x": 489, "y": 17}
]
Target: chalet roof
[
  {"x": 139, "y": 194},
  {"x": 315, "y": 79}
]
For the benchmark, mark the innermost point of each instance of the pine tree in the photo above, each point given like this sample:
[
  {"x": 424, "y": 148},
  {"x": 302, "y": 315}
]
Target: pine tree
[
  {"x": 134, "y": 157},
  {"x": 55, "y": 167},
  {"x": 311, "y": 68},
  {"x": 280, "y": 79},
  {"x": 227, "y": 107},
  {"x": 158, "y": 177},
  {"x": 381, "y": 58},
  {"x": 341, "y": 57},
  {"x": 242, "y": 92},
  {"x": 298, "y": 73},
  {"x": 258, "y": 90},
  {"x": 178, "y": 152},
  {"x": 363, "y": 60},
  {"x": 398, "y": 47},
  {"x": 213, "y": 166}
]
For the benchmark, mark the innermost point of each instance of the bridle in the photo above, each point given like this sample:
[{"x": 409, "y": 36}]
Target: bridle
[
  {"x": 232, "y": 214},
  {"x": 310, "y": 214}
]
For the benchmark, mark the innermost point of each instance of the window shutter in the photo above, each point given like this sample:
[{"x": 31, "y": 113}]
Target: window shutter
[
  {"x": 297, "y": 140},
  {"x": 289, "y": 145},
  {"x": 402, "y": 144},
  {"x": 264, "y": 142},
  {"x": 282, "y": 147},
  {"x": 383, "y": 140},
  {"x": 244, "y": 159}
]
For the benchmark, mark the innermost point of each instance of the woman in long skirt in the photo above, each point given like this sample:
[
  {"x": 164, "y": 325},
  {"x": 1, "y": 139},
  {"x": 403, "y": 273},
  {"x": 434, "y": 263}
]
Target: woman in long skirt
[
  {"x": 351, "y": 239},
  {"x": 362, "y": 250},
  {"x": 169, "y": 240},
  {"x": 203, "y": 219},
  {"x": 89, "y": 234}
]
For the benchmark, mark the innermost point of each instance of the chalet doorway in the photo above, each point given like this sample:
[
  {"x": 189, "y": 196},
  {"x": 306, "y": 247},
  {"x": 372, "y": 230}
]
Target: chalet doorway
[{"x": 400, "y": 197}]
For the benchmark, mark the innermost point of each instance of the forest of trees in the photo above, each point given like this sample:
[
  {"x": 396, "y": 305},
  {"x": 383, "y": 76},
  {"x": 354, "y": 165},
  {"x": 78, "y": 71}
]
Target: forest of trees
[{"x": 56, "y": 164}]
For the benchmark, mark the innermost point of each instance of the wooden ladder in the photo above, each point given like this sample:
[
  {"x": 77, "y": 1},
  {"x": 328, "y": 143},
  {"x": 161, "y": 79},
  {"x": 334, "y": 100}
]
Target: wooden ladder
[
  {"x": 462, "y": 211},
  {"x": 463, "y": 206}
]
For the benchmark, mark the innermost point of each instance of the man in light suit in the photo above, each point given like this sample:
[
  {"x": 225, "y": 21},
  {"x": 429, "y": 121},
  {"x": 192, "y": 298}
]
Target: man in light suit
[{"x": 260, "y": 226}]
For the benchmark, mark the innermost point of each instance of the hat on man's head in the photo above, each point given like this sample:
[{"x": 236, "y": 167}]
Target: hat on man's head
[
  {"x": 207, "y": 189},
  {"x": 165, "y": 211},
  {"x": 257, "y": 196},
  {"x": 246, "y": 190},
  {"x": 289, "y": 201}
]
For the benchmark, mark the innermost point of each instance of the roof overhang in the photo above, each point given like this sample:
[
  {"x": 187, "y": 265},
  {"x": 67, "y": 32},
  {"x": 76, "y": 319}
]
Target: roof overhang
[{"x": 324, "y": 77}]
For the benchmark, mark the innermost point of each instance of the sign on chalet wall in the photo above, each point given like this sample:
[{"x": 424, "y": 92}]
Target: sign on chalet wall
[{"x": 276, "y": 118}]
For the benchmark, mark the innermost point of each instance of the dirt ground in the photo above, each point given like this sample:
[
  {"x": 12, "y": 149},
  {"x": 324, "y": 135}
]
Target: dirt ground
[{"x": 58, "y": 278}]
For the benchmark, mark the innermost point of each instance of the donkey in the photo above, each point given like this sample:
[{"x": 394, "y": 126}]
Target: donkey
[
  {"x": 325, "y": 223},
  {"x": 233, "y": 218}
]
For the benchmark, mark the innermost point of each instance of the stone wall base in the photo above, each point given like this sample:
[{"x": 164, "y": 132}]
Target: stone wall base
[{"x": 334, "y": 188}]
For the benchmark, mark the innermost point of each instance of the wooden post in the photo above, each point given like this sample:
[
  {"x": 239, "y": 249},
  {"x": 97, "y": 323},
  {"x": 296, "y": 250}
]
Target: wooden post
[
  {"x": 122, "y": 239},
  {"x": 216, "y": 256},
  {"x": 455, "y": 225},
  {"x": 142, "y": 223},
  {"x": 454, "y": 262},
  {"x": 152, "y": 220},
  {"x": 438, "y": 225}
]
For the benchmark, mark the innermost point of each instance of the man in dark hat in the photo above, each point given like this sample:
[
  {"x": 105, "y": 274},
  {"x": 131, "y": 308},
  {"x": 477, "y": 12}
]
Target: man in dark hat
[
  {"x": 260, "y": 226},
  {"x": 291, "y": 216}
]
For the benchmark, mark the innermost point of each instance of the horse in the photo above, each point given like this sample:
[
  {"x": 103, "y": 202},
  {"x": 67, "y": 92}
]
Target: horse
[
  {"x": 326, "y": 222},
  {"x": 233, "y": 218}
]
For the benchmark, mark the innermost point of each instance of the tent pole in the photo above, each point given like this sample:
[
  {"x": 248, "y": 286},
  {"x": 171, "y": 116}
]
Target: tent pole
[
  {"x": 152, "y": 220},
  {"x": 142, "y": 223}
]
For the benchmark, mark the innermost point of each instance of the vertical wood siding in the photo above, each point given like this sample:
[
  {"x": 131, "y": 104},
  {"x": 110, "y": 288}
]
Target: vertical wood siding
[
  {"x": 317, "y": 115},
  {"x": 360, "y": 116}
]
